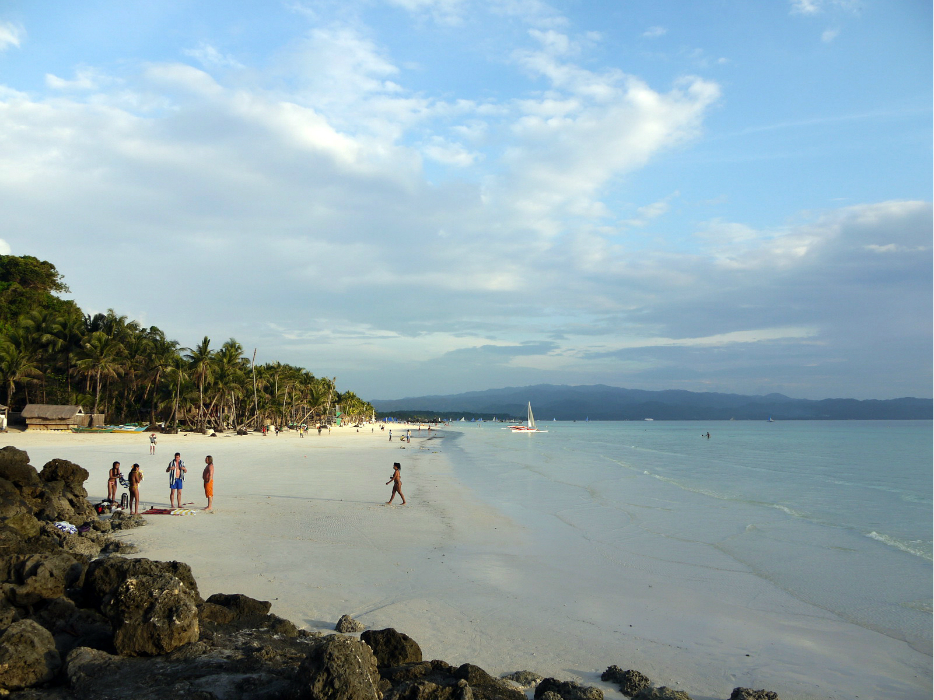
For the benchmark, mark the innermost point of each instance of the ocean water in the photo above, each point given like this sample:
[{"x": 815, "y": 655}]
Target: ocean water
[{"x": 837, "y": 514}]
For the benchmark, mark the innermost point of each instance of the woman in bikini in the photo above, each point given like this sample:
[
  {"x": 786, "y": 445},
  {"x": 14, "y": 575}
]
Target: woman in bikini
[
  {"x": 396, "y": 481},
  {"x": 134, "y": 478},
  {"x": 112, "y": 477}
]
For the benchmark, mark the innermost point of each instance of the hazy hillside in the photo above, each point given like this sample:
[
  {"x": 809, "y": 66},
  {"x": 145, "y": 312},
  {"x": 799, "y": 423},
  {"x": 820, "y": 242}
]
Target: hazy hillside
[{"x": 600, "y": 402}]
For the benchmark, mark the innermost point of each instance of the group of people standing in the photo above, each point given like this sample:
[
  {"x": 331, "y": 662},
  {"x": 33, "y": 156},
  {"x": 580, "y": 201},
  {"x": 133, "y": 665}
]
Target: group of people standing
[{"x": 176, "y": 471}]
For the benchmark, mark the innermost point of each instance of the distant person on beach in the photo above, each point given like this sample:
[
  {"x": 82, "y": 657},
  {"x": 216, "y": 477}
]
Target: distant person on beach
[
  {"x": 135, "y": 476},
  {"x": 319, "y": 430},
  {"x": 208, "y": 476},
  {"x": 152, "y": 444},
  {"x": 176, "y": 471},
  {"x": 390, "y": 435},
  {"x": 396, "y": 481},
  {"x": 112, "y": 477}
]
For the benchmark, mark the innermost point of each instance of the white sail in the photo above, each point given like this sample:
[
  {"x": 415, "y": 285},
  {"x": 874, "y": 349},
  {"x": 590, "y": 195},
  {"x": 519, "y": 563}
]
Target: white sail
[{"x": 531, "y": 417}]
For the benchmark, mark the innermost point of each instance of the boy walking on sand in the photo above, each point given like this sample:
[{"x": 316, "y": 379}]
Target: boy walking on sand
[
  {"x": 208, "y": 476},
  {"x": 176, "y": 471},
  {"x": 152, "y": 444}
]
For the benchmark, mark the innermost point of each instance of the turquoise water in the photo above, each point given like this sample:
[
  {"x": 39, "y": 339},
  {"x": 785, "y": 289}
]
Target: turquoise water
[{"x": 836, "y": 513}]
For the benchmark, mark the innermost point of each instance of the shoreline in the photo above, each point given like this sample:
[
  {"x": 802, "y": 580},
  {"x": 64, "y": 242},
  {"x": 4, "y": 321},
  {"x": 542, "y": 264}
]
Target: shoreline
[{"x": 449, "y": 569}]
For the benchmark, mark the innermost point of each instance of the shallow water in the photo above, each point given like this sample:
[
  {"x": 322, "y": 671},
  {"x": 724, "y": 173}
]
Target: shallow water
[{"x": 835, "y": 513}]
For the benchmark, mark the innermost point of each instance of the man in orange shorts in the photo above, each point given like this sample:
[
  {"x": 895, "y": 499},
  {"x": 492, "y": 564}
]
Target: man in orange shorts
[{"x": 208, "y": 476}]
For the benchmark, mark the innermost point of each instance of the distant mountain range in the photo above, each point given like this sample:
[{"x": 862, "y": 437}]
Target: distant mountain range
[{"x": 601, "y": 402}]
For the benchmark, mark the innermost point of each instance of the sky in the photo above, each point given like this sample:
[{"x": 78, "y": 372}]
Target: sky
[{"x": 437, "y": 196}]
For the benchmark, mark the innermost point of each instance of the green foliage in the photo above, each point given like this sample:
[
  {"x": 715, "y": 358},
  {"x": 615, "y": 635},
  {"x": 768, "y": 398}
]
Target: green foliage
[
  {"x": 51, "y": 352},
  {"x": 27, "y": 284}
]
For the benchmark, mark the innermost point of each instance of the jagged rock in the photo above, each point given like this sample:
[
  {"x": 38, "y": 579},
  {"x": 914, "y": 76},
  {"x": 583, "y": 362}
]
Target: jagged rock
[
  {"x": 750, "y": 694},
  {"x": 101, "y": 525},
  {"x": 550, "y": 695},
  {"x": 347, "y": 625},
  {"x": 630, "y": 682},
  {"x": 27, "y": 656},
  {"x": 86, "y": 668},
  {"x": 152, "y": 614},
  {"x": 70, "y": 473},
  {"x": 125, "y": 521},
  {"x": 427, "y": 690},
  {"x": 72, "y": 626},
  {"x": 392, "y": 648},
  {"x": 15, "y": 512},
  {"x": 662, "y": 693},
  {"x": 211, "y": 612},
  {"x": 43, "y": 576},
  {"x": 15, "y": 468},
  {"x": 339, "y": 668},
  {"x": 486, "y": 687},
  {"x": 63, "y": 493},
  {"x": 104, "y": 575},
  {"x": 524, "y": 679},
  {"x": 8, "y": 613},
  {"x": 568, "y": 690},
  {"x": 240, "y": 605}
]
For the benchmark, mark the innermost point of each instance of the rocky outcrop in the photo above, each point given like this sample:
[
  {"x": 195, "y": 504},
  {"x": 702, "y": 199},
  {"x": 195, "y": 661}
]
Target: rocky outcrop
[
  {"x": 122, "y": 520},
  {"x": 662, "y": 693},
  {"x": 339, "y": 668},
  {"x": 152, "y": 614},
  {"x": 41, "y": 577},
  {"x": 392, "y": 648},
  {"x": 567, "y": 690},
  {"x": 750, "y": 694},
  {"x": 104, "y": 576},
  {"x": 27, "y": 656},
  {"x": 630, "y": 682},
  {"x": 523, "y": 679},
  {"x": 347, "y": 625}
]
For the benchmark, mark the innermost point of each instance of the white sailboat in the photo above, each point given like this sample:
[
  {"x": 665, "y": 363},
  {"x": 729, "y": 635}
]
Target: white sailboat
[{"x": 530, "y": 424}]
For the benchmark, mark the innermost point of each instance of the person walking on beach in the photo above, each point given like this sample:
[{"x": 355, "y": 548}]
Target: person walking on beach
[
  {"x": 396, "y": 481},
  {"x": 152, "y": 444},
  {"x": 390, "y": 435},
  {"x": 208, "y": 476},
  {"x": 112, "y": 477},
  {"x": 176, "y": 471},
  {"x": 135, "y": 476}
]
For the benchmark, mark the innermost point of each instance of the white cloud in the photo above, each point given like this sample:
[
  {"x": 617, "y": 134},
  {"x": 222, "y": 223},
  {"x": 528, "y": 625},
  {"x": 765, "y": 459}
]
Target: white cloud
[
  {"x": 10, "y": 35},
  {"x": 814, "y": 7},
  {"x": 210, "y": 57},
  {"x": 5, "y": 248},
  {"x": 85, "y": 79},
  {"x": 654, "y": 32},
  {"x": 829, "y": 35},
  {"x": 444, "y": 151}
]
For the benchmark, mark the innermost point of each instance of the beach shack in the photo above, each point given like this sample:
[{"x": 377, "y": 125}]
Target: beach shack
[{"x": 41, "y": 416}]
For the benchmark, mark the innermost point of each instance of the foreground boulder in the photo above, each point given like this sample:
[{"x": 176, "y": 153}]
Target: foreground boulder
[
  {"x": 27, "y": 656},
  {"x": 347, "y": 625},
  {"x": 152, "y": 615},
  {"x": 567, "y": 690},
  {"x": 524, "y": 679},
  {"x": 392, "y": 648},
  {"x": 750, "y": 694},
  {"x": 437, "y": 680},
  {"x": 105, "y": 575},
  {"x": 339, "y": 668},
  {"x": 42, "y": 576},
  {"x": 630, "y": 682}
]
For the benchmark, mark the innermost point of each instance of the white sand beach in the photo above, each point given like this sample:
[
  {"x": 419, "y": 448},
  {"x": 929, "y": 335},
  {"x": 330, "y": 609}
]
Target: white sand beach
[{"x": 302, "y": 522}]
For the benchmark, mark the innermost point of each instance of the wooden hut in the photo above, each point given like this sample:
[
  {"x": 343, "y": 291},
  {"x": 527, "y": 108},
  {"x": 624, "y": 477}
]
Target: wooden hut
[{"x": 40, "y": 416}]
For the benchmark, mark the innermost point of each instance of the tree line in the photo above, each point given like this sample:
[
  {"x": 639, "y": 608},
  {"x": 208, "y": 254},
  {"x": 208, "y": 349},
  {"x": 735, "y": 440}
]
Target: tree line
[{"x": 52, "y": 352}]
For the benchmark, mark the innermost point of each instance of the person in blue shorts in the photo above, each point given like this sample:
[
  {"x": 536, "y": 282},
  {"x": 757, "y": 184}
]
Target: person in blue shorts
[{"x": 176, "y": 471}]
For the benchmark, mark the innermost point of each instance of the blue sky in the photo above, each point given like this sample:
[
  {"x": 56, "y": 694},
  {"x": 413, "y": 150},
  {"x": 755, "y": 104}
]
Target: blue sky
[{"x": 431, "y": 196}]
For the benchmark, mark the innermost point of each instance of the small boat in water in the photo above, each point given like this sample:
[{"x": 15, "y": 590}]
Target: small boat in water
[{"x": 529, "y": 427}]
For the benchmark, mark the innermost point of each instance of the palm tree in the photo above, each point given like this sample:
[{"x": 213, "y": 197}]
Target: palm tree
[
  {"x": 100, "y": 357},
  {"x": 199, "y": 359},
  {"x": 16, "y": 365}
]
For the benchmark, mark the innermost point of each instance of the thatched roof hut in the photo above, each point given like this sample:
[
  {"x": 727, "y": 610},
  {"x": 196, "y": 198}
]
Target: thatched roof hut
[{"x": 41, "y": 416}]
